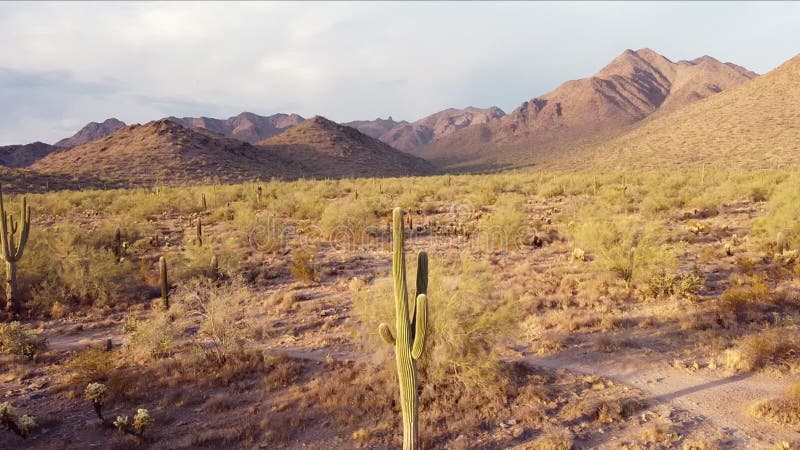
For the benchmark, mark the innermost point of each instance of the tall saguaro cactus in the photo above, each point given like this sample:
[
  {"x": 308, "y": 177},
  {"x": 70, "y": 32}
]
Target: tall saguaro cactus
[
  {"x": 411, "y": 331},
  {"x": 13, "y": 250}
]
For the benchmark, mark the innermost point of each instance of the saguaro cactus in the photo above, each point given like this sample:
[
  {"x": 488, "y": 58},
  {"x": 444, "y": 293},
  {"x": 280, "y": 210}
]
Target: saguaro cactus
[
  {"x": 411, "y": 331},
  {"x": 12, "y": 251},
  {"x": 162, "y": 268},
  {"x": 199, "y": 232}
]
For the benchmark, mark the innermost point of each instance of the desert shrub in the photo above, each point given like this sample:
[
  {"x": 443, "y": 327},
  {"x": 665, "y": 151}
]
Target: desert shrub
[
  {"x": 19, "y": 339},
  {"x": 782, "y": 211},
  {"x": 93, "y": 365},
  {"x": 665, "y": 284},
  {"x": 70, "y": 265},
  {"x": 761, "y": 350},
  {"x": 632, "y": 249},
  {"x": 152, "y": 338},
  {"x": 217, "y": 310},
  {"x": 739, "y": 297},
  {"x": 507, "y": 226},
  {"x": 784, "y": 411},
  {"x": 554, "y": 439},
  {"x": 347, "y": 220},
  {"x": 303, "y": 267}
]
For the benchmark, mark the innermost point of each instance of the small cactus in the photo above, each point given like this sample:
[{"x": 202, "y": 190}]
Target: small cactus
[
  {"x": 728, "y": 249},
  {"x": 121, "y": 423},
  {"x": 96, "y": 393},
  {"x": 142, "y": 420},
  {"x": 411, "y": 331},
  {"x": 162, "y": 268},
  {"x": 205, "y": 206},
  {"x": 199, "y": 232}
]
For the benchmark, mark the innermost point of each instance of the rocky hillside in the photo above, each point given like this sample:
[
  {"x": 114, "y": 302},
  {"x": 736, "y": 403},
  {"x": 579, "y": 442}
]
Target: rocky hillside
[{"x": 330, "y": 149}]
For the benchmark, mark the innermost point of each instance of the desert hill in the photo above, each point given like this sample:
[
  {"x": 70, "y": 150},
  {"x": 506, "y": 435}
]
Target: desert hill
[
  {"x": 634, "y": 86},
  {"x": 330, "y": 149},
  {"x": 16, "y": 156},
  {"x": 374, "y": 128},
  {"x": 91, "y": 132},
  {"x": 246, "y": 126},
  {"x": 409, "y": 135},
  {"x": 755, "y": 125},
  {"x": 166, "y": 152}
]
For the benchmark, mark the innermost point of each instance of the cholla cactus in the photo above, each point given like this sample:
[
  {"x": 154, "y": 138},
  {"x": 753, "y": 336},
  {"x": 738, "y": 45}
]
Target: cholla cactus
[
  {"x": 27, "y": 424},
  {"x": 411, "y": 331},
  {"x": 22, "y": 428},
  {"x": 96, "y": 393},
  {"x": 121, "y": 422},
  {"x": 579, "y": 254},
  {"x": 728, "y": 249},
  {"x": 142, "y": 420}
]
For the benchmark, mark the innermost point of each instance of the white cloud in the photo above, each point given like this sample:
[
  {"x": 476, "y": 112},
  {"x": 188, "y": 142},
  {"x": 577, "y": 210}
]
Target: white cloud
[{"x": 344, "y": 60}]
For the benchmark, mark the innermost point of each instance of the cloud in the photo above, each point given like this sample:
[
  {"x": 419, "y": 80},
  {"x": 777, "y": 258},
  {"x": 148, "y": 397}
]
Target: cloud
[{"x": 70, "y": 63}]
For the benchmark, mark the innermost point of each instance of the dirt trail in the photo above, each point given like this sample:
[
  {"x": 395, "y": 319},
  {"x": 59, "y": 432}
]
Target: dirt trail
[{"x": 710, "y": 395}]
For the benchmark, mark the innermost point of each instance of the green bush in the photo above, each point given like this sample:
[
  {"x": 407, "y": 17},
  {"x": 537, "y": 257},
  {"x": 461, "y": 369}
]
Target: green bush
[{"x": 19, "y": 339}]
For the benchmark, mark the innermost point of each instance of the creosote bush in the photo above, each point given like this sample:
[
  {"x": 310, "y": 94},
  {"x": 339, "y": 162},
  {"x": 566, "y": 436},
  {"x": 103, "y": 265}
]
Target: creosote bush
[{"x": 19, "y": 339}]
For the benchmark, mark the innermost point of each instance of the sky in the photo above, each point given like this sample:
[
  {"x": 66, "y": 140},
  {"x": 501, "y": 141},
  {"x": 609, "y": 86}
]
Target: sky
[{"x": 63, "y": 65}]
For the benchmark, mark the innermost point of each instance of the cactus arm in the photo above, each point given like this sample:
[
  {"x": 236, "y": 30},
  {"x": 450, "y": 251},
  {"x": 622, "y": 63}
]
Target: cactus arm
[
  {"x": 386, "y": 334},
  {"x": 26, "y": 226},
  {"x": 4, "y": 226},
  {"x": 421, "y": 329},
  {"x": 422, "y": 285},
  {"x": 399, "y": 277}
]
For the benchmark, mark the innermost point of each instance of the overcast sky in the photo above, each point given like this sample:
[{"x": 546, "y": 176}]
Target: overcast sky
[{"x": 65, "y": 64}]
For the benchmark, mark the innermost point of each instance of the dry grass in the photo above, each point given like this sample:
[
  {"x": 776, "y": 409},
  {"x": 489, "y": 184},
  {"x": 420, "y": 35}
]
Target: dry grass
[{"x": 784, "y": 411}]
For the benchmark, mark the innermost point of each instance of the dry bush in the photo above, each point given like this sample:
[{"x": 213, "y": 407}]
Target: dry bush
[
  {"x": 152, "y": 338},
  {"x": 303, "y": 267},
  {"x": 741, "y": 297},
  {"x": 68, "y": 264},
  {"x": 761, "y": 350},
  {"x": 696, "y": 444},
  {"x": 345, "y": 220},
  {"x": 507, "y": 226},
  {"x": 784, "y": 411},
  {"x": 217, "y": 310},
  {"x": 553, "y": 438},
  {"x": 19, "y": 339}
]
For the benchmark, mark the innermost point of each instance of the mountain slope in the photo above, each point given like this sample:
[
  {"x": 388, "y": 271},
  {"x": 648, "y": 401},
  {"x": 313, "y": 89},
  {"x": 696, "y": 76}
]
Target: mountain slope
[
  {"x": 329, "y": 149},
  {"x": 634, "y": 86},
  {"x": 166, "y": 152},
  {"x": 755, "y": 125},
  {"x": 91, "y": 132},
  {"x": 246, "y": 126},
  {"x": 409, "y": 135},
  {"x": 16, "y": 156},
  {"x": 374, "y": 128}
]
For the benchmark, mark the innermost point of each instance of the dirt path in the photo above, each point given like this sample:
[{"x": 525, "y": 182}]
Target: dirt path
[{"x": 710, "y": 395}]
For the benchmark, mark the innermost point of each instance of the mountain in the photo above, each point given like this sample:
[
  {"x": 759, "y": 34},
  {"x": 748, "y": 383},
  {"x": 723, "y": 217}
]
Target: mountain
[
  {"x": 330, "y": 149},
  {"x": 246, "y": 126},
  {"x": 634, "y": 86},
  {"x": 16, "y": 156},
  {"x": 166, "y": 152},
  {"x": 91, "y": 132},
  {"x": 754, "y": 125},
  {"x": 408, "y": 135},
  {"x": 374, "y": 128}
]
